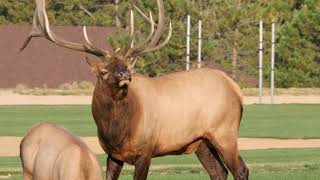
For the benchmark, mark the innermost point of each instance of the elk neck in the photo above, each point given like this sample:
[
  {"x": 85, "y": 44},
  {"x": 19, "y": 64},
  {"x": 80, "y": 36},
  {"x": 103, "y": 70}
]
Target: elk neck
[{"x": 116, "y": 112}]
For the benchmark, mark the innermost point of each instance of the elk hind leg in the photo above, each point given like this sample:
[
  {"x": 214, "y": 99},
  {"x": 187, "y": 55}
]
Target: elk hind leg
[
  {"x": 26, "y": 175},
  {"x": 227, "y": 147},
  {"x": 211, "y": 161}
]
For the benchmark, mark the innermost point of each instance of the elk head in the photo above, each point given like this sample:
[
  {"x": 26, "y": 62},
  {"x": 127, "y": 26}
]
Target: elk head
[{"x": 114, "y": 68}]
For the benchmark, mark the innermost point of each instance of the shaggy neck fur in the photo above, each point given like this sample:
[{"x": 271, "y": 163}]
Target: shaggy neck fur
[{"x": 114, "y": 110}]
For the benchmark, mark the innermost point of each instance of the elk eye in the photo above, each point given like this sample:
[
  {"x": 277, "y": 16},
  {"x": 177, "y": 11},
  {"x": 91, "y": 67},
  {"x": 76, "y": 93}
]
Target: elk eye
[{"x": 104, "y": 71}]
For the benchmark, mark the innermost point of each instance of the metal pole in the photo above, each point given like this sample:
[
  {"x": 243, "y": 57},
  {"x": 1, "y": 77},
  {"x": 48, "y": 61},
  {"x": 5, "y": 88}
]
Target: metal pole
[
  {"x": 200, "y": 45},
  {"x": 272, "y": 61},
  {"x": 260, "y": 60},
  {"x": 188, "y": 43}
]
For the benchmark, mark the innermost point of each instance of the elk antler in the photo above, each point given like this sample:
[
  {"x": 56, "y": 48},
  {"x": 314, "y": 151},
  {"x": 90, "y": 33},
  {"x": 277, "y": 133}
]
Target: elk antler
[
  {"x": 152, "y": 42},
  {"x": 41, "y": 28}
]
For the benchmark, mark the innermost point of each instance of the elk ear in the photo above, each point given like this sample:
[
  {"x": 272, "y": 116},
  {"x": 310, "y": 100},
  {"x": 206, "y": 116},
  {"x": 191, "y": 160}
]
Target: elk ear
[{"x": 93, "y": 65}]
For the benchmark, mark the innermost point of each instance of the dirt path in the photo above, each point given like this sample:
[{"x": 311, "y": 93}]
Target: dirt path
[
  {"x": 7, "y": 98},
  {"x": 14, "y": 99},
  {"x": 9, "y": 146}
]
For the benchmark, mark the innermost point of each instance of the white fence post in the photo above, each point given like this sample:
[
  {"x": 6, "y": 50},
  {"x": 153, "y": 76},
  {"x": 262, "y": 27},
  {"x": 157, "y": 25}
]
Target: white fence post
[
  {"x": 272, "y": 61},
  {"x": 260, "y": 60},
  {"x": 188, "y": 43},
  {"x": 118, "y": 24},
  {"x": 200, "y": 44}
]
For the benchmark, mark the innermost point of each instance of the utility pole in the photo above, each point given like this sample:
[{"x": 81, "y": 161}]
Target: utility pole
[
  {"x": 200, "y": 44},
  {"x": 260, "y": 60},
  {"x": 188, "y": 43},
  {"x": 272, "y": 61}
]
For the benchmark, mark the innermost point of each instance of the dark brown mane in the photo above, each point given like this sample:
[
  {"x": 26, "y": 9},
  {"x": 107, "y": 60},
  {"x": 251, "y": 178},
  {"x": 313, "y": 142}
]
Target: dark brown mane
[{"x": 113, "y": 116}]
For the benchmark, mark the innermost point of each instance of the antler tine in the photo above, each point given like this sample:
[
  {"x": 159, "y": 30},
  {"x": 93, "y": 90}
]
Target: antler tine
[
  {"x": 35, "y": 32},
  {"x": 85, "y": 34},
  {"x": 131, "y": 38},
  {"x": 152, "y": 28},
  {"x": 41, "y": 28},
  {"x": 155, "y": 48},
  {"x": 151, "y": 43},
  {"x": 153, "y": 38},
  {"x": 141, "y": 44},
  {"x": 161, "y": 24},
  {"x": 131, "y": 28},
  {"x": 145, "y": 17}
]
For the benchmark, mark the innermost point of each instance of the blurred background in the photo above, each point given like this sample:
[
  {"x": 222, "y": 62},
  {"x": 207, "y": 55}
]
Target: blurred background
[{"x": 230, "y": 39}]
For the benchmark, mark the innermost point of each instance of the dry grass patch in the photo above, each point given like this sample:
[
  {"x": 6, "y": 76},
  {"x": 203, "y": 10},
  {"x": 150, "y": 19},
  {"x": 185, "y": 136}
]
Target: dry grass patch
[{"x": 75, "y": 88}]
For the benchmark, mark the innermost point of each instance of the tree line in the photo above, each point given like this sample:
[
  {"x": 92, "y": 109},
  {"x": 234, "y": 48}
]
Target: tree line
[{"x": 230, "y": 32}]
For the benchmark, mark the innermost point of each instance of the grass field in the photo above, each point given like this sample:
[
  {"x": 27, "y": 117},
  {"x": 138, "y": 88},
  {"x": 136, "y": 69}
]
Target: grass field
[
  {"x": 281, "y": 121},
  {"x": 274, "y": 164},
  {"x": 274, "y": 121}
]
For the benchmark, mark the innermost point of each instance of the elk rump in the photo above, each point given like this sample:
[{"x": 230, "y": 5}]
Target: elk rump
[{"x": 50, "y": 152}]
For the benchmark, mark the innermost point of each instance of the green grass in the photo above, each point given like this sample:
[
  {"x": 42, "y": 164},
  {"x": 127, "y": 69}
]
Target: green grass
[
  {"x": 273, "y": 164},
  {"x": 274, "y": 121},
  {"x": 16, "y": 120},
  {"x": 281, "y": 121}
]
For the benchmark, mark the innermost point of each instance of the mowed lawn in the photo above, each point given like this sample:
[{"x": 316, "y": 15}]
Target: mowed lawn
[
  {"x": 273, "y": 121},
  {"x": 273, "y": 164}
]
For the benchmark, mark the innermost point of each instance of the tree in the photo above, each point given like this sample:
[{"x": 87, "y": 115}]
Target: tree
[{"x": 230, "y": 32}]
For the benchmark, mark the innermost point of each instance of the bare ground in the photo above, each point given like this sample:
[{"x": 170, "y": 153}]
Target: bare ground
[
  {"x": 15, "y": 99},
  {"x": 10, "y": 145}
]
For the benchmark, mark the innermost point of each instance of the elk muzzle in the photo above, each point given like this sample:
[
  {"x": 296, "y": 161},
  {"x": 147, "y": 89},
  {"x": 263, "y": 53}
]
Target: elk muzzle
[{"x": 125, "y": 78}]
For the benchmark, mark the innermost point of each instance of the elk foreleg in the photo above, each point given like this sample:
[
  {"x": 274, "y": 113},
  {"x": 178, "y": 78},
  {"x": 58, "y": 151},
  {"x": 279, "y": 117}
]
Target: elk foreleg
[
  {"x": 114, "y": 168},
  {"x": 142, "y": 168}
]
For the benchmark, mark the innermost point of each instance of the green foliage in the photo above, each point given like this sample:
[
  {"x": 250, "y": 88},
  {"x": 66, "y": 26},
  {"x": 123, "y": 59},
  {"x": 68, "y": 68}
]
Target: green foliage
[
  {"x": 16, "y": 11},
  {"x": 227, "y": 25},
  {"x": 299, "y": 47}
]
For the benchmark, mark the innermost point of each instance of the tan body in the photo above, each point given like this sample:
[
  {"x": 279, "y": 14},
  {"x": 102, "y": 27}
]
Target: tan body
[
  {"x": 180, "y": 114},
  {"x": 175, "y": 117},
  {"x": 49, "y": 152}
]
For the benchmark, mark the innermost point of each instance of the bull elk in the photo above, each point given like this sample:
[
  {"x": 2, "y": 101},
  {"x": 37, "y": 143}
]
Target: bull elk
[
  {"x": 49, "y": 152},
  {"x": 139, "y": 118}
]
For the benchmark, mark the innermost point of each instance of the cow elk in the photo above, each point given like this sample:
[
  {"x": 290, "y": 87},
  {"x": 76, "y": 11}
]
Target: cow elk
[
  {"x": 139, "y": 118},
  {"x": 49, "y": 152}
]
